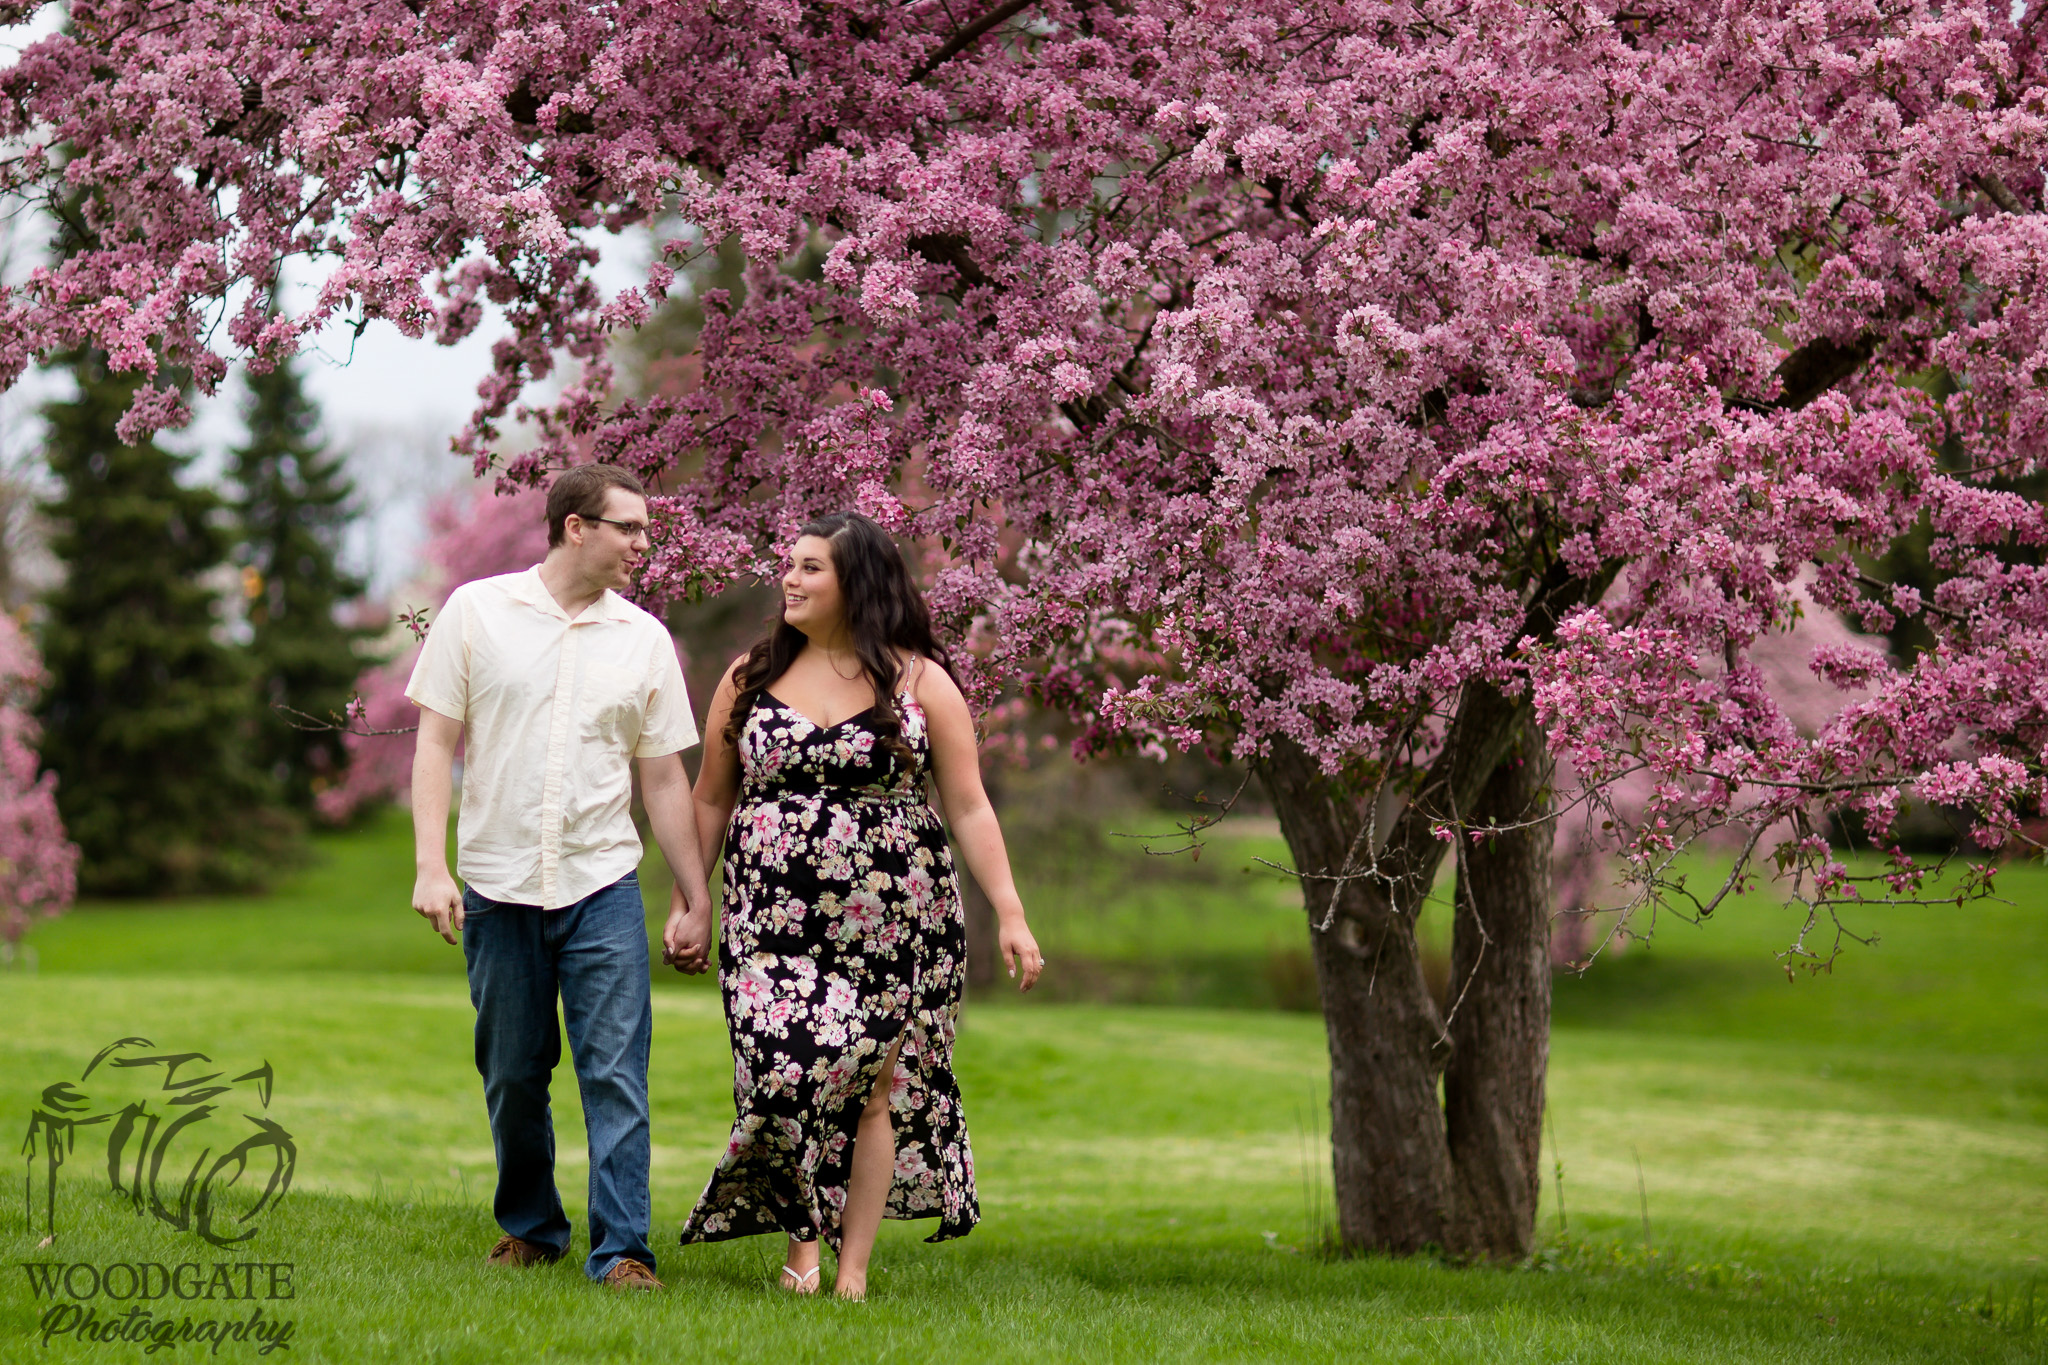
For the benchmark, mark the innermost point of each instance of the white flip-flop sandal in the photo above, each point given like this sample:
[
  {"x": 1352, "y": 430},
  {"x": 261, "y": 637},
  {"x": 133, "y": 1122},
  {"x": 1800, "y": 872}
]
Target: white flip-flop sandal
[{"x": 802, "y": 1279}]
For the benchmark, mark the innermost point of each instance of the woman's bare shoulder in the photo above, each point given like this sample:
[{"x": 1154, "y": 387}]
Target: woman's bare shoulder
[{"x": 926, "y": 680}]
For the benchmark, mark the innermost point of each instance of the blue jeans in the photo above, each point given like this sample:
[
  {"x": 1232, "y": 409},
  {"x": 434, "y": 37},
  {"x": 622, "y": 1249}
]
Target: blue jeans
[{"x": 594, "y": 953}]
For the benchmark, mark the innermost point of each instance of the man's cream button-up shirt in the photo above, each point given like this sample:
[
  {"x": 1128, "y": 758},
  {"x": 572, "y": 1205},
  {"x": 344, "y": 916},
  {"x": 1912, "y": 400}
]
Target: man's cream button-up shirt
[{"x": 554, "y": 711}]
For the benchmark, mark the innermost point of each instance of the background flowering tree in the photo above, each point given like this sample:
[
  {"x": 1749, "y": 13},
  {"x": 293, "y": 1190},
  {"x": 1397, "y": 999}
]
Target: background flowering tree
[
  {"x": 38, "y": 865},
  {"x": 1591, "y": 912},
  {"x": 475, "y": 535},
  {"x": 1395, "y": 394}
]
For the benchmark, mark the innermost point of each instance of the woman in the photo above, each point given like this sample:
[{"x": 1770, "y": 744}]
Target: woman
[{"x": 842, "y": 948}]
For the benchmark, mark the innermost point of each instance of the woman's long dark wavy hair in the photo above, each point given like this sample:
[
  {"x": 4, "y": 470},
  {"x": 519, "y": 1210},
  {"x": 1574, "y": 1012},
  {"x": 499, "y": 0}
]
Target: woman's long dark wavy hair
[{"x": 884, "y": 613}]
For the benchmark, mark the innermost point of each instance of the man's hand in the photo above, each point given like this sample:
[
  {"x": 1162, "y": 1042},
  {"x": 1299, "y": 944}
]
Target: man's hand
[
  {"x": 435, "y": 895},
  {"x": 686, "y": 938},
  {"x": 671, "y": 818},
  {"x": 433, "y": 759}
]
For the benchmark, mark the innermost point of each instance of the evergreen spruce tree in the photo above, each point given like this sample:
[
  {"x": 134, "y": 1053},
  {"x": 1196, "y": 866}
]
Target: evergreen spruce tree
[
  {"x": 149, "y": 720},
  {"x": 294, "y": 506}
]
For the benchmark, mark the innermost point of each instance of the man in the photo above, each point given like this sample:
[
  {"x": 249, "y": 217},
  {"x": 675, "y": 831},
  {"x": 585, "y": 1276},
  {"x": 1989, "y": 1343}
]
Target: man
[{"x": 561, "y": 685}]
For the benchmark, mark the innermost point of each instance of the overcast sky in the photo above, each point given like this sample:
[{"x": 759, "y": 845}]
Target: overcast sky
[{"x": 392, "y": 403}]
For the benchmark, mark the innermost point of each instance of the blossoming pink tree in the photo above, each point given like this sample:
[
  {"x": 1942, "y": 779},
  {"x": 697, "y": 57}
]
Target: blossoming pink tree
[
  {"x": 38, "y": 865},
  {"x": 1397, "y": 394}
]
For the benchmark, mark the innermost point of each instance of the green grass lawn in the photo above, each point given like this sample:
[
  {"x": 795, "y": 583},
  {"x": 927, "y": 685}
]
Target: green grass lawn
[{"x": 1848, "y": 1168}]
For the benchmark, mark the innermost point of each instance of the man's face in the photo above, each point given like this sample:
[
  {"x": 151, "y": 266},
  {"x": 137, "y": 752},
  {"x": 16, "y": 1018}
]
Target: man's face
[{"x": 614, "y": 545}]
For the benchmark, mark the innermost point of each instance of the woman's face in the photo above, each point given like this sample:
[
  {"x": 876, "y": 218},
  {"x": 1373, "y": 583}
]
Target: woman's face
[{"x": 811, "y": 600}]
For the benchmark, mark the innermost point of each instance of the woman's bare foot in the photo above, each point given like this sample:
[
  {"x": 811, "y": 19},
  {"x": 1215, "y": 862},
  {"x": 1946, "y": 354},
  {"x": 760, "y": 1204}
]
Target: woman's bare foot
[
  {"x": 800, "y": 1268},
  {"x": 852, "y": 1288}
]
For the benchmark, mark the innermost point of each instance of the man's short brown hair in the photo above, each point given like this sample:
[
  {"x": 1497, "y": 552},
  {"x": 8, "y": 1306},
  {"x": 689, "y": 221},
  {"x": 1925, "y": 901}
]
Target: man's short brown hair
[{"x": 580, "y": 491}]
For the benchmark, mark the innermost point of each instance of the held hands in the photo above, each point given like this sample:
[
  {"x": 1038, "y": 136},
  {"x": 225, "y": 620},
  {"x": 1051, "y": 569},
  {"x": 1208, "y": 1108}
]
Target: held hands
[
  {"x": 435, "y": 896},
  {"x": 1017, "y": 948},
  {"x": 686, "y": 938}
]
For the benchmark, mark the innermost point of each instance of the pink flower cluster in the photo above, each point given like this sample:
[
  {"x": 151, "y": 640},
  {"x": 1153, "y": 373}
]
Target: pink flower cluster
[
  {"x": 1267, "y": 373},
  {"x": 38, "y": 865}
]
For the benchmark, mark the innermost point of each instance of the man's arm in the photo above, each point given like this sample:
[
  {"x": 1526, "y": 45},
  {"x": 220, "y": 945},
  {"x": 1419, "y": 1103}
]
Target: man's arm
[
  {"x": 671, "y": 816},
  {"x": 434, "y": 893}
]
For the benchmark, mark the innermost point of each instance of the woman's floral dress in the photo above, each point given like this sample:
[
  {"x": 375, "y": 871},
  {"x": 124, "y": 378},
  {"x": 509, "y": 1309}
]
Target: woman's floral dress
[{"x": 841, "y": 932}]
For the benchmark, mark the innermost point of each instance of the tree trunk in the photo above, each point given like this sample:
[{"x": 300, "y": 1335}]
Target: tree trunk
[
  {"x": 1409, "y": 1172},
  {"x": 1500, "y": 1030},
  {"x": 1388, "y": 1152}
]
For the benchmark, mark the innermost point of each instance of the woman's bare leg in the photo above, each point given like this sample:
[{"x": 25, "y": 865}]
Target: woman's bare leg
[
  {"x": 867, "y": 1192},
  {"x": 801, "y": 1264}
]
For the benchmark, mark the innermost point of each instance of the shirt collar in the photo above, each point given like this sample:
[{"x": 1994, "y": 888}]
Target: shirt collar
[{"x": 527, "y": 587}]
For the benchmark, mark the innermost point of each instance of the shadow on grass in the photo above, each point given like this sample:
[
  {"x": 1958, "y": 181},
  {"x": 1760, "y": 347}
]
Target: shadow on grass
[{"x": 1626, "y": 992}]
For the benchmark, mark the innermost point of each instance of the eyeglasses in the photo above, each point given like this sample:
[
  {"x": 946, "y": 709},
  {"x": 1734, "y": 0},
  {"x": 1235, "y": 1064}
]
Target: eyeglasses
[{"x": 633, "y": 529}]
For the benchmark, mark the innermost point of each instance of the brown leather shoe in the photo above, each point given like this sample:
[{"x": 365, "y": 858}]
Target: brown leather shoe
[
  {"x": 627, "y": 1273},
  {"x": 519, "y": 1253}
]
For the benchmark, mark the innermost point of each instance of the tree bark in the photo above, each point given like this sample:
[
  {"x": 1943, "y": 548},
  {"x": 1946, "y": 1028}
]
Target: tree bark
[
  {"x": 1500, "y": 1029},
  {"x": 1410, "y": 1174},
  {"x": 1387, "y": 1149}
]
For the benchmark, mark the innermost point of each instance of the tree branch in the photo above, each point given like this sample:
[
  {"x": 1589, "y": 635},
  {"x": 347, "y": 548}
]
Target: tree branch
[
  {"x": 1487, "y": 725},
  {"x": 1996, "y": 190},
  {"x": 1818, "y": 366},
  {"x": 966, "y": 37},
  {"x": 950, "y": 248}
]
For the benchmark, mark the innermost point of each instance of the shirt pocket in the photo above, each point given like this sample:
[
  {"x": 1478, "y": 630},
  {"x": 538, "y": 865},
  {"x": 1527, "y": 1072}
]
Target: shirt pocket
[{"x": 612, "y": 701}]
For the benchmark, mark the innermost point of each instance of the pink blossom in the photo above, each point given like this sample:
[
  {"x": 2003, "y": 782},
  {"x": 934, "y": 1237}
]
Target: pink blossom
[
  {"x": 38, "y": 865},
  {"x": 1224, "y": 416}
]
